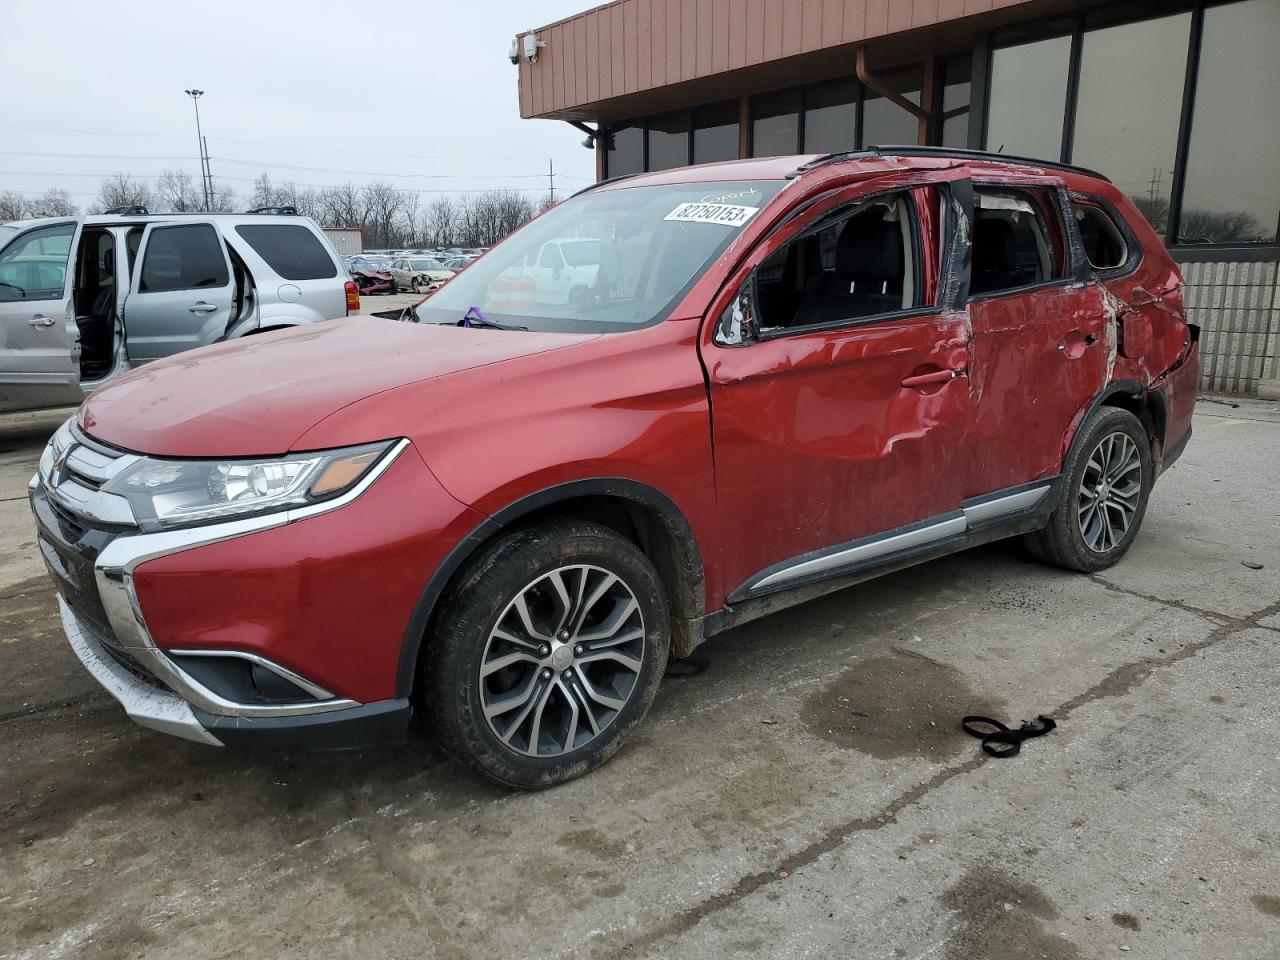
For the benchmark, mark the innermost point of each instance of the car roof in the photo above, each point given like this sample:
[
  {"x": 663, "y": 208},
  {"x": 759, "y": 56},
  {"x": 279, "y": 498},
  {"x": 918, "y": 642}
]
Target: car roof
[
  {"x": 119, "y": 219},
  {"x": 871, "y": 161}
]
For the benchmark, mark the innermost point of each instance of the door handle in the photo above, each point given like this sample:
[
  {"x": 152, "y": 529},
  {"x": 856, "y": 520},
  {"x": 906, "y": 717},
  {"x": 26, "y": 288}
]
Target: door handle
[
  {"x": 929, "y": 379},
  {"x": 202, "y": 307},
  {"x": 41, "y": 321}
]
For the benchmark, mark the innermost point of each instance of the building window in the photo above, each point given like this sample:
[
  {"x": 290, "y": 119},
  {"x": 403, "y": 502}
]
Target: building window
[
  {"x": 626, "y": 150},
  {"x": 1232, "y": 193},
  {"x": 831, "y": 117},
  {"x": 1028, "y": 98},
  {"x": 669, "y": 140},
  {"x": 775, "y": 124},
  {"x": 1127, "y": 110},
  {"x": 715, "y": 132},
  {"x": 956, "y": 95},
  {"x": 883, "y": 121}
]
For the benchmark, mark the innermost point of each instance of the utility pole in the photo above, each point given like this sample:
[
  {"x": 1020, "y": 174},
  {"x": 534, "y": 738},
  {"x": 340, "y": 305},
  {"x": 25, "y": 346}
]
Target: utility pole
[
  {"x": 195, "y": 96},
  {"x": 208, "y": 176},
  {"x": 551, "y": 178}
]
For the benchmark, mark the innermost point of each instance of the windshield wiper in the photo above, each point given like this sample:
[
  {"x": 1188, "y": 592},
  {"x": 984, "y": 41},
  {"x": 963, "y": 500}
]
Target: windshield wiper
[{"x": 475, "y": 318}]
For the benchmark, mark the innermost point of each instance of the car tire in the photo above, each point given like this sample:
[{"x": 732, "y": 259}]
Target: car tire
[
  {"x": 530, "y": 691},
  {"x": 1102, "y": 498},
  {"x": 415, "y": 286}
]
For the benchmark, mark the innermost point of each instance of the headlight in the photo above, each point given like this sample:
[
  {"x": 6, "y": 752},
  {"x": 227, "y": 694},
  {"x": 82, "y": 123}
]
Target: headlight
[{"x": 172, "y": 493}]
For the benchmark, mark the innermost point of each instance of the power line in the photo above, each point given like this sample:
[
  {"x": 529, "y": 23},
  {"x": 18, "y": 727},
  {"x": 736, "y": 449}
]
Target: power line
[
  {"x": 315, "y": 148},
  {"x": 286, "y": 166},
  {"x": 309, "y": 186}
]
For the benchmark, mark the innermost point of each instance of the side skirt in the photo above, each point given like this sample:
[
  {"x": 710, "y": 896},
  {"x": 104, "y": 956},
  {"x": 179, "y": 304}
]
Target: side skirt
[{"x": 984, "y": 519}]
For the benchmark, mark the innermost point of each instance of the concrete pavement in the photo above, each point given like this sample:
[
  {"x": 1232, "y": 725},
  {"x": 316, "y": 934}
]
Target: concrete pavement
[{"x": 809, "y": 795}]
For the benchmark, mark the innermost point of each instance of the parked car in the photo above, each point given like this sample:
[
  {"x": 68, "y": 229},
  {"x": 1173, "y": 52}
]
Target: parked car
[
  {"x": 371, "y": 275},
  {"x": 790, "y": 375},
  {"x": 564, "y": 269},
  {"x": 419, "y": 274},
  {"x": 84, "y": 299}
]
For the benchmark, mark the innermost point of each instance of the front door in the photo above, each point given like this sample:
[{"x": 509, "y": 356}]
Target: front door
[
  {"x": 181, "y": 295},
  {"x": 1042, "y": 334},
  {"x": 39, "y": 340},
  {"x": 838, "y": 383}
]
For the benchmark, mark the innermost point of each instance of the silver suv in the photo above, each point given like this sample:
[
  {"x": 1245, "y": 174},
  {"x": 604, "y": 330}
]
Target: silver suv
[{"x": 83, "y": 299}]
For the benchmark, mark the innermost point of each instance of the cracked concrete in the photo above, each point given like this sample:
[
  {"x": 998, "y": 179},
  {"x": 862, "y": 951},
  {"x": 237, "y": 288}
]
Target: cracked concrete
[{"x": 780, "y": 804}]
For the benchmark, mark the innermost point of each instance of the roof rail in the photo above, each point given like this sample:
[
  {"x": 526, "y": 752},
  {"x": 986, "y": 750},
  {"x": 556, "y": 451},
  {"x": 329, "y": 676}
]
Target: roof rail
[
  {"x": 915, "y": 150},
  {"x": 129, "y": 210},
  {"x": 288, "y": 210}
]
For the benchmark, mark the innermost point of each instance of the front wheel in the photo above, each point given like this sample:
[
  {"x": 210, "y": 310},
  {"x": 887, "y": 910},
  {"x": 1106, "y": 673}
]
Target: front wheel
[
  {"x": 546, "y": 653},
  {"x": 415, "y": 286},
  {"x": 1102, "y": 497}
]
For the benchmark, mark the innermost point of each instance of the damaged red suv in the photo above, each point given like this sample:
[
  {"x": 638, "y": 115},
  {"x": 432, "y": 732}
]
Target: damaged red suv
[{"x": 674, "y": 402}]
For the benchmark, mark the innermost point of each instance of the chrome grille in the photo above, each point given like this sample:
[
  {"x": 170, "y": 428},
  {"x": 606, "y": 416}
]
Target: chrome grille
[{"x": 74, "y": 468}]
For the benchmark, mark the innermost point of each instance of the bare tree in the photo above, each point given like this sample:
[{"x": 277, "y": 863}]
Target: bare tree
[
  {"x": 342, "y": 206},
  {"x": 440, "y": 222},
  {"x": 382, "y": 206},
  {"x": 121, "y": 190},
  {"x": 222, "y": 199},
  {"x": 264, "y": 193},
  {"x": 177, "y": 193},
  {"x": 13, "y": 206}
]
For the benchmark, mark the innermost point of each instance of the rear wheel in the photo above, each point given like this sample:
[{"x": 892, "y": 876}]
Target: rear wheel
[
  {"x": 1103, "y": 495},
  {"x": 546, "y": 653}
]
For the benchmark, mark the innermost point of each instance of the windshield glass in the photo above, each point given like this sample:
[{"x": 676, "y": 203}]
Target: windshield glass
[
  {"x": 424, "y": 265},
  {"x": 603, "y": 261}
]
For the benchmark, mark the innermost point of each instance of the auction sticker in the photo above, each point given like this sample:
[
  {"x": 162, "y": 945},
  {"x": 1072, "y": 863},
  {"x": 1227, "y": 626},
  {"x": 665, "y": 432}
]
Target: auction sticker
[{"x": 729, "y": 214}]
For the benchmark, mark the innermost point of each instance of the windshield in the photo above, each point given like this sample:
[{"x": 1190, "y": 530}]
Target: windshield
[
  {"x": 604, "y": 261},
  {"x": 424, "y": 265}
]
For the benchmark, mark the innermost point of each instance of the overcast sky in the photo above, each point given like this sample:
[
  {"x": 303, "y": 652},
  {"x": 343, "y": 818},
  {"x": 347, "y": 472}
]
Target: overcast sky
[{"x": 314, "y": 91}]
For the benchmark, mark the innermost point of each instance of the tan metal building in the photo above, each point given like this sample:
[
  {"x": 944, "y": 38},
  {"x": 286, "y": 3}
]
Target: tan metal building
[{"x": 1178, "y": 101}]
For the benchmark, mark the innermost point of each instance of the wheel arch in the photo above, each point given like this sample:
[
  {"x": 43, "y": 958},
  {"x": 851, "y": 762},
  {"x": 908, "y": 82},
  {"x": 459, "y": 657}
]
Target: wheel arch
[
  {"x": 1140, "y": 400},
  {"x": 641, "y": 513}
]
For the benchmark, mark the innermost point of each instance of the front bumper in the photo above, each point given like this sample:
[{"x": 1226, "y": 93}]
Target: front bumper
[
  {"x": 146, "y": 705},
  {"x": 155, "y": 708},
  {"x": 213, "y": 634}
]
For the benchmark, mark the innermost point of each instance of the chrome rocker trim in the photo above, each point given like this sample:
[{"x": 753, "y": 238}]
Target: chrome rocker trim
[{"x": 973, "y": 513}]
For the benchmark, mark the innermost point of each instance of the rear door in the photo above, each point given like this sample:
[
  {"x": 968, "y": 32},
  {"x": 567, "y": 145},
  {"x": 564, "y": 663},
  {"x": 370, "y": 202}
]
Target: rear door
[
  {"x": 39, "y": 340},
  {"x": 837, "y": 368},
  {"x": 182, "y": 294},
  {"x": 1043, "y": 332}
]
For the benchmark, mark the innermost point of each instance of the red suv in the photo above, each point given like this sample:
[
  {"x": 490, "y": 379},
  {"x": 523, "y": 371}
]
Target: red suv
[{"x": 743, "y": 385}]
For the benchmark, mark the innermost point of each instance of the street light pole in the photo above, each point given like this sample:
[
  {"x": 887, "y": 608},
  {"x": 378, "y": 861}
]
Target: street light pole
[{"x": 195, "y": 96}]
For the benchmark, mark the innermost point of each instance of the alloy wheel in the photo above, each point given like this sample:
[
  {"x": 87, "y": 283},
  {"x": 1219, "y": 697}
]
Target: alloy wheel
[
  {"x": 562, "y": 661},
  {"x": 1110, "y": 489}
]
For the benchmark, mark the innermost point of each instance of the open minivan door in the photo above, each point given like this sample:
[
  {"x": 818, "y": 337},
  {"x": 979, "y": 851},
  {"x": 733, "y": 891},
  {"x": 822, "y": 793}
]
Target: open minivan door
[
  {"x": 181, "y": 294},
  {"x": 39, "y": 340}
]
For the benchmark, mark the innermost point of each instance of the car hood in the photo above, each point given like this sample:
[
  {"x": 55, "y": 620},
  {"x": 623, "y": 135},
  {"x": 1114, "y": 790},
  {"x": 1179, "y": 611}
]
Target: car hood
[{"x": 257, "y": 395}]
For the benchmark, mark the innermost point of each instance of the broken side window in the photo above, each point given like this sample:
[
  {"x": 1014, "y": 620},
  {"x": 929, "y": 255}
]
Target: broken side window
[
  {"x": 1104, "y": 243},
  {"x": 851, "y": 266},
  {"x": 1013, "y": 245}
]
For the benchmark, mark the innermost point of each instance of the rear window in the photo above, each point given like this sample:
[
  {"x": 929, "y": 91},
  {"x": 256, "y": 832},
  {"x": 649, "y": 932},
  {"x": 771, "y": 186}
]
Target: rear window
[
  {"x": 290, "y": 250},
  {"x": 183, "y": 258}
]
